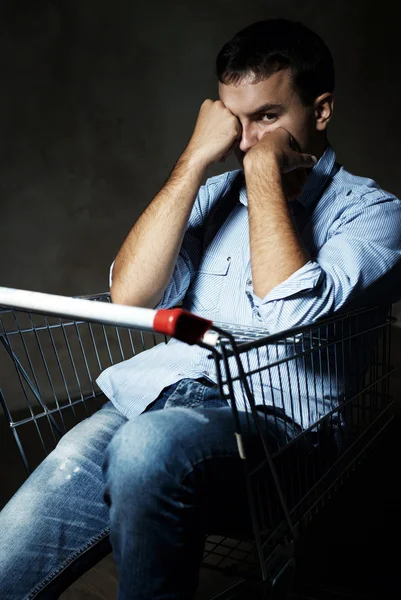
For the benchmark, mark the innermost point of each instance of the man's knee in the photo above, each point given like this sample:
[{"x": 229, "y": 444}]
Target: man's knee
[
  {"x": 138, "y": 445},
  {"x": 153, "y": 446}
]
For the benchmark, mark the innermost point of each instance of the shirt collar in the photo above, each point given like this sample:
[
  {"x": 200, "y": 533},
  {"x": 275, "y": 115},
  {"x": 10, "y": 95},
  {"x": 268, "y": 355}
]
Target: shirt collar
[
  {"x": 315, "y": 184},
  {"x": 318, "y": 179}
]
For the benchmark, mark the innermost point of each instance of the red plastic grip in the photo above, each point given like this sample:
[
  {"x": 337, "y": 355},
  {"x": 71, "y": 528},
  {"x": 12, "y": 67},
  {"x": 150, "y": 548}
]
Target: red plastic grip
[{"x": 181, "y": 324}]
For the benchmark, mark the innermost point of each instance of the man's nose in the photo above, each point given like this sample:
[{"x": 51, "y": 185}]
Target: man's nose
[{"x": 248, "y": 139}]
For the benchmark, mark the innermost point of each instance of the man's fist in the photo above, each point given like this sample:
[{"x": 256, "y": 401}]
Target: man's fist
[
  {"x": 281, "y": 148},
  {"x": 216, "y": 134}
]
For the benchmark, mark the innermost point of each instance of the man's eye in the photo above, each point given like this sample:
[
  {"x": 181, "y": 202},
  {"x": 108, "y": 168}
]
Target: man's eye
[{"x": 268, "y": 117}]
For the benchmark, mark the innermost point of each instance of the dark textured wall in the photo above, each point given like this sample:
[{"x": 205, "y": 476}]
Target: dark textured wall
[{"x": 98, "y": 99}]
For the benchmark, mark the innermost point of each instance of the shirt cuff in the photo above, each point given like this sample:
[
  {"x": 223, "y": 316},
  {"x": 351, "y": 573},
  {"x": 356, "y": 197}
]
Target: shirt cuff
[{"x": 304, "y": 279}]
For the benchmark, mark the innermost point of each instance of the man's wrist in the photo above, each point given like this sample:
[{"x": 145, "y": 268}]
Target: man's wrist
[
  {"x": 195, "y": 160},
  {"x": 267, "y": 170},
  {"x": 268, "y": 163}
]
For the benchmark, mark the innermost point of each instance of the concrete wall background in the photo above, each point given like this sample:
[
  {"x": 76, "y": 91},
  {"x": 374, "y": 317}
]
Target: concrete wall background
[{"x": 98, "y": 99}]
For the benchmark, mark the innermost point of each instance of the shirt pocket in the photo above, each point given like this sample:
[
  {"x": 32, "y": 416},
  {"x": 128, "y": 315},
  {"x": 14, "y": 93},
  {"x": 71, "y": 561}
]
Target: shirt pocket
[{"x": 209, "y": 283}]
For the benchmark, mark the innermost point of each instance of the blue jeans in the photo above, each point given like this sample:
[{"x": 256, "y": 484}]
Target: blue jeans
[{"x": 159, "y": 482}]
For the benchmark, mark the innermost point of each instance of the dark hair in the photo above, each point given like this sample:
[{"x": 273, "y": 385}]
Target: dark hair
[{"x": 270, "y": 46}]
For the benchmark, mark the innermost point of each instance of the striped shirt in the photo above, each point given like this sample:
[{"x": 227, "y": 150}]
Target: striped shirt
[{"x": 351, "y": 229}]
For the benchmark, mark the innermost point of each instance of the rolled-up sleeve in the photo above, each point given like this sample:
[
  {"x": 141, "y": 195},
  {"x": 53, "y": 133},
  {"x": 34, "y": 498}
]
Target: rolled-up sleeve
[{"x": 362, "y": 247}]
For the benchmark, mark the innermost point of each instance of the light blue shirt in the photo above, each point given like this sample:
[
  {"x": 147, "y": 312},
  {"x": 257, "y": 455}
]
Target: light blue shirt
[{"x": 351, "y": 229}]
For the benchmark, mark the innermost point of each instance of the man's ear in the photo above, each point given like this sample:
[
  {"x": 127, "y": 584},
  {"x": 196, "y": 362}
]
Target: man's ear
[{"x": 323, "y": 106}]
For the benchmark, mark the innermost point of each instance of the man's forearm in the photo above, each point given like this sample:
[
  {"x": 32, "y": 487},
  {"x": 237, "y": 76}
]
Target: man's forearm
[
  {"x": 146, "y": 260},
  {"x": 276, "y": 251}
]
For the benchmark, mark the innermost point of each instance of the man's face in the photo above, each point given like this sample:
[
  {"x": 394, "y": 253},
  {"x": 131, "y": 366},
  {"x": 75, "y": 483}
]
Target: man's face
[{"x": 262, "y": 107}]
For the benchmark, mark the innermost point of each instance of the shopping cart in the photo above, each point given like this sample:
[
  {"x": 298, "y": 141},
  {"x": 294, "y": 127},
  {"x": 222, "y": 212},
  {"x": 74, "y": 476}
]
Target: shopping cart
[{"x": 329, "y": 382}]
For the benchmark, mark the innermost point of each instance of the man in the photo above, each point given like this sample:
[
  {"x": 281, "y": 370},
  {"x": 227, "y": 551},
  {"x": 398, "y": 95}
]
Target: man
[{"x": 306, "y": 238}]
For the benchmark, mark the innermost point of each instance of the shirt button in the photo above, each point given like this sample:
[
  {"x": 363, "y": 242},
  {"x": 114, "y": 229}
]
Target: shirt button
[
  {"x": 228, "y": 258},
  {"x": 249, "y": 282}
]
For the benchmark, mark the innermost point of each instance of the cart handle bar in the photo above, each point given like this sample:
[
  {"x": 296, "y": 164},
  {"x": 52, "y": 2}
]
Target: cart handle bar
[{"x": 175, "y": 322}]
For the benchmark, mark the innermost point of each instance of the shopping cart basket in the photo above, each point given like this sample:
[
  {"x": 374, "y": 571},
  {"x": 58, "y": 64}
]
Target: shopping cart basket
[{"x": 328, "y": 382}]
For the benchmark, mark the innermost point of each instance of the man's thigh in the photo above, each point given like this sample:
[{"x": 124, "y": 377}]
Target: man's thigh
[{"x": 196, "y": 447}]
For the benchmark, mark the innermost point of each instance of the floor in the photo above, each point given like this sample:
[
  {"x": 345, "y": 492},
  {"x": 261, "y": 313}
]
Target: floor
[{"x": 351, "y": 549}]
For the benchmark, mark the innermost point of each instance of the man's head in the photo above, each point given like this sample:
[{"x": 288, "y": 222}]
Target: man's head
[{"x": 277, "y": 73}]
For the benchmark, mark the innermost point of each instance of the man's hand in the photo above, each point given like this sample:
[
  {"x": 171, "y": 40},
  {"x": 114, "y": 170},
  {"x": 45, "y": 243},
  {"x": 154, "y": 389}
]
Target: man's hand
[
  {"x": 216, "y": 134},
  {"x": 281, "y": 148},
  {"x": 278, "y": 152}
]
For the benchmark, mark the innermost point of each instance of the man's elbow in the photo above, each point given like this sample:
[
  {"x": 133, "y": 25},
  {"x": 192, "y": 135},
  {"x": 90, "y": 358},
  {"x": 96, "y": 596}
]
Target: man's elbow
[{"x": 119, "y": 295}]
